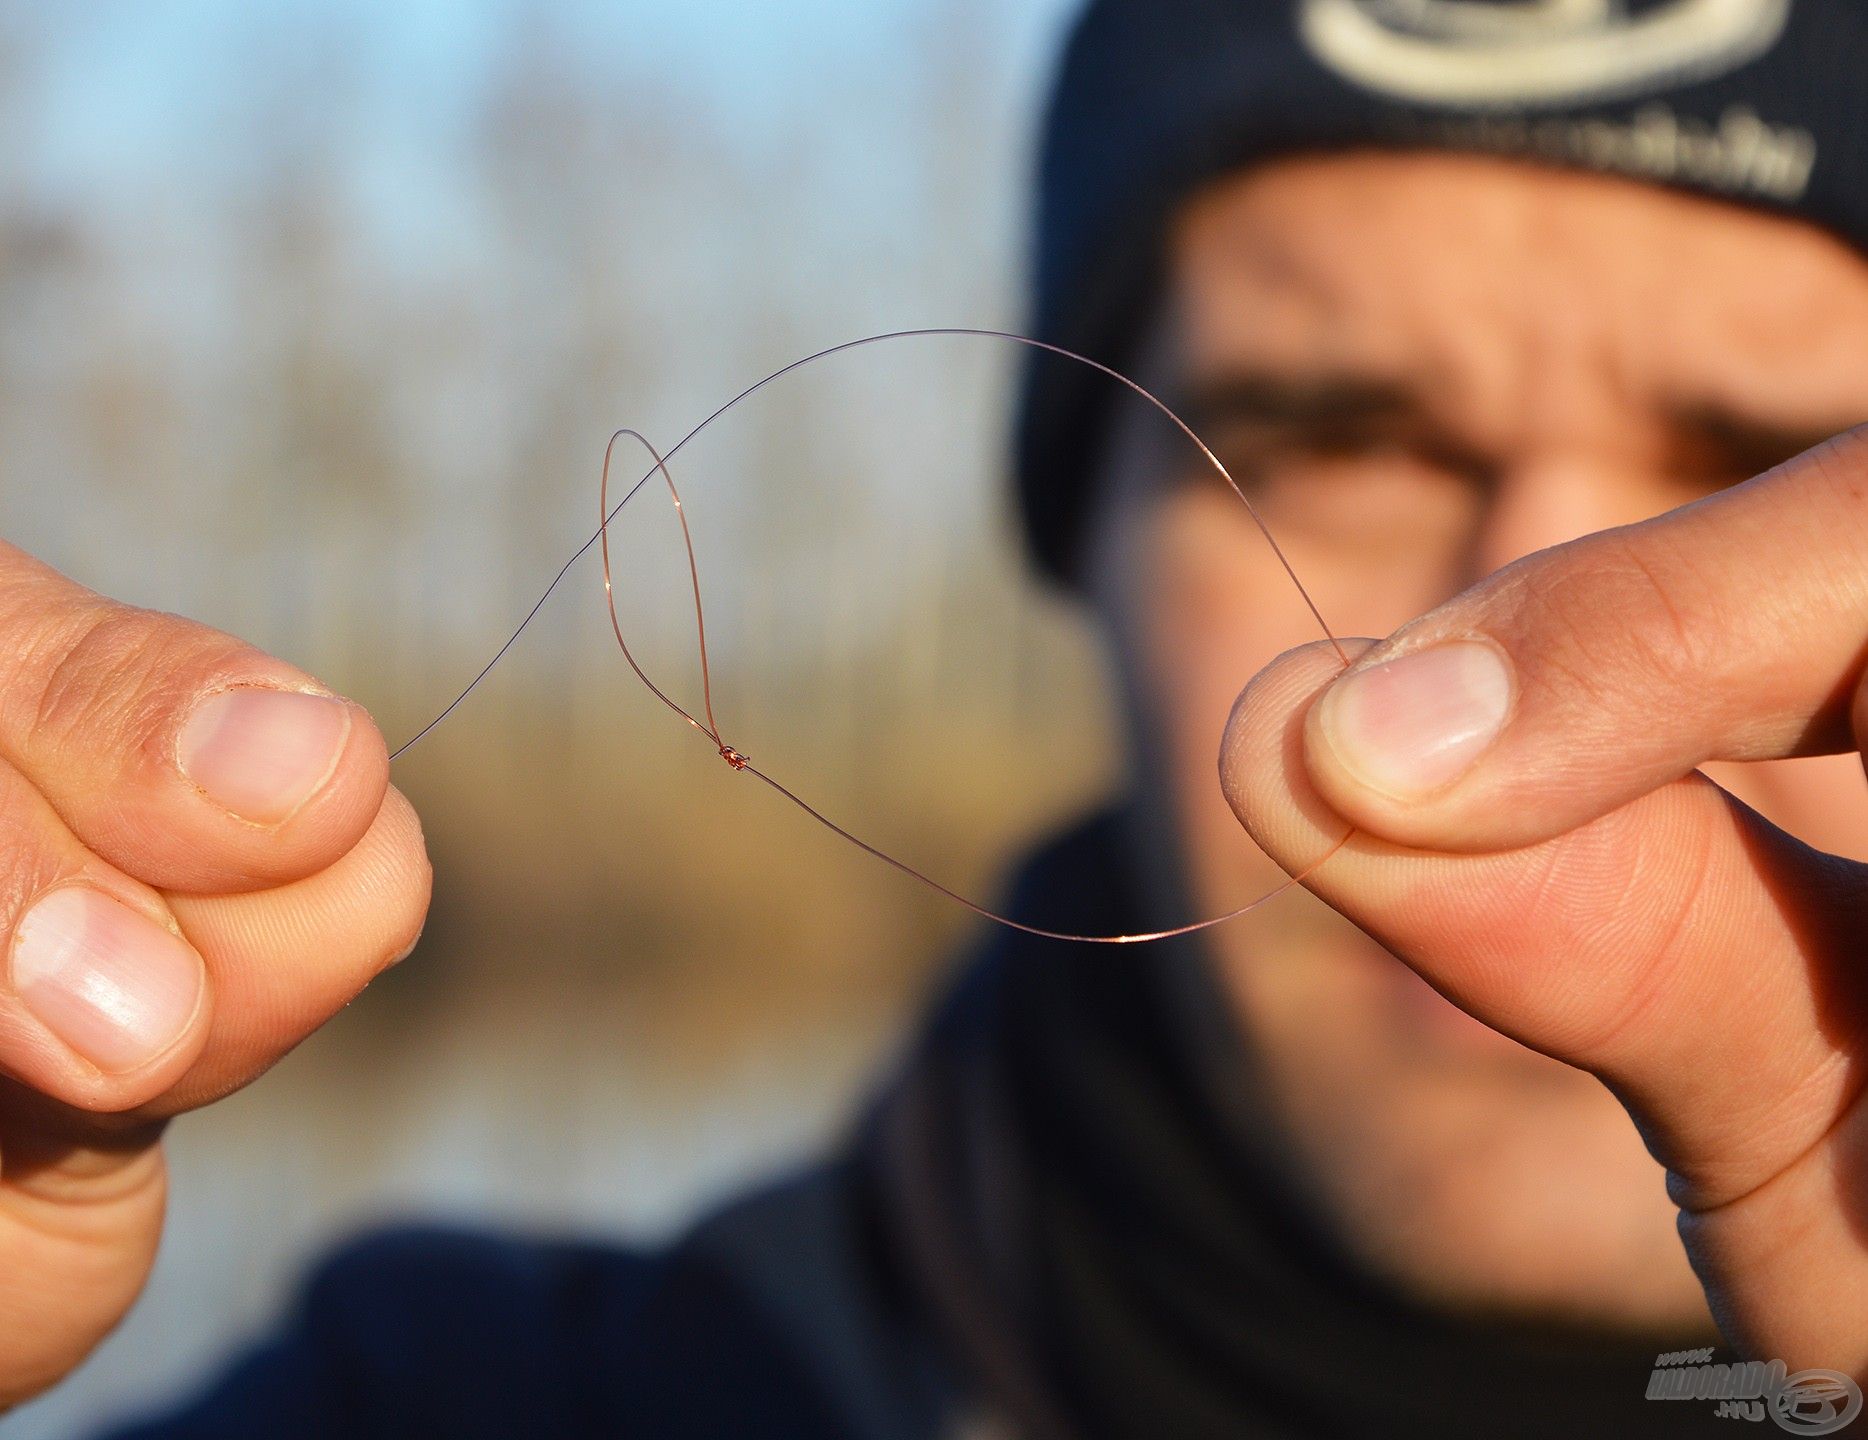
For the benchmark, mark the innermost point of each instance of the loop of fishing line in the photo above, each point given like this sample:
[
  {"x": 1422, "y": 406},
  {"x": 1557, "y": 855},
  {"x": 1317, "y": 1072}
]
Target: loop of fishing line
[{"x": 708, "y": 726}]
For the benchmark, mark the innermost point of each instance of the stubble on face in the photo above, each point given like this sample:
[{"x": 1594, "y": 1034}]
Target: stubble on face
[{"x": 1421, "y": 367}]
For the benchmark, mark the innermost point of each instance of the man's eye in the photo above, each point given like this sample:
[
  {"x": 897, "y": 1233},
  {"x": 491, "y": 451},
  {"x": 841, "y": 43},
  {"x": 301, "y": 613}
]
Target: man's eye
[{"x": 1365, "y": 497}]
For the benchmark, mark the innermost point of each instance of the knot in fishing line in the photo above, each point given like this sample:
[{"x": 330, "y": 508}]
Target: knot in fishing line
[{"x": 706, "y": 724}]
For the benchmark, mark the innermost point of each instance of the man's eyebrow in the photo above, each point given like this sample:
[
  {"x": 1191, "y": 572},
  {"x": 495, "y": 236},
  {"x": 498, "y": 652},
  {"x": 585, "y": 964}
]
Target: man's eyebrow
[
  {"x": 1711, "y": 435},
  {"x": 1327, "y": 413},
  {"x": 1329, "y": 402}
]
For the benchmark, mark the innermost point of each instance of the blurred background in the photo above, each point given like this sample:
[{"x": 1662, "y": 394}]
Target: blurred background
[{"x": 314, "y": 319}]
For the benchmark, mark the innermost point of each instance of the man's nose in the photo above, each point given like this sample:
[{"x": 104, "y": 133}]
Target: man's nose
[{"x": 1549, "y": 501}]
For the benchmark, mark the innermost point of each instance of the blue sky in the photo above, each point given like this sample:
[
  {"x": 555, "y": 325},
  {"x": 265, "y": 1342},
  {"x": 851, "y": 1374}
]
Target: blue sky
[{"x": 113, "y": 90}]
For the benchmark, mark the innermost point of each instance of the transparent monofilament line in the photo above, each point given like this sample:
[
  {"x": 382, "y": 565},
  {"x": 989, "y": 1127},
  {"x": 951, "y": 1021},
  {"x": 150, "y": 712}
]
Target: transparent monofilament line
[{"x": 708, "y": 726}]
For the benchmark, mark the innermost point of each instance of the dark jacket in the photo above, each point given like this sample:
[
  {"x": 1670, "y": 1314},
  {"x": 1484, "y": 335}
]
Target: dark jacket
[{"x": 1064, "y": 1216}]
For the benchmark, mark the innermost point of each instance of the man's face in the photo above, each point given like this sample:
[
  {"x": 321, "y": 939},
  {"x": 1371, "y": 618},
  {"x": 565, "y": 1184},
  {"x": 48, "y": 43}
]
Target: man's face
[{"x": 1420, "y": 368}]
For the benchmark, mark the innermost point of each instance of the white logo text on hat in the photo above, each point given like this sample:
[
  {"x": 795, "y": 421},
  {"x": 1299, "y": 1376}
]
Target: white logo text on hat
[{"x": 1479, "y": 55}]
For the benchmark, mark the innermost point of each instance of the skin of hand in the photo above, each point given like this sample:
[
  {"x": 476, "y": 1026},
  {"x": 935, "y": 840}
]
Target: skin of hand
[
  {"x": 1534, "y": 838},
  {"x": 1423, "y": 368},
  {"x": 201, "y": 860}
]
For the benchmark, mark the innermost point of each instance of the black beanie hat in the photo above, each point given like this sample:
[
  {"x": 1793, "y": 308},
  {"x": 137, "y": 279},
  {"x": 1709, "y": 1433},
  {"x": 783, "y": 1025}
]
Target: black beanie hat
[{"x": 1762, "y": 102}]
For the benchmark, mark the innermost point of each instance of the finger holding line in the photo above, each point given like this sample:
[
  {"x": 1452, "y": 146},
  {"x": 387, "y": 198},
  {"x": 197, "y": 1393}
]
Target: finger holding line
[
  {"x": 1581, "y": 677},
  {"x": 178, "y": 753}
]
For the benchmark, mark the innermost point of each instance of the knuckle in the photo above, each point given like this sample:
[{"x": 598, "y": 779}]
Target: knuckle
[
  {"x": 84, "y": 679},
  {"x": 115, "y": 670},
  {"x": 1659, "y": 645},
  {"x": 1610, "y": 619},
  {"x": 38, "y": 645}
]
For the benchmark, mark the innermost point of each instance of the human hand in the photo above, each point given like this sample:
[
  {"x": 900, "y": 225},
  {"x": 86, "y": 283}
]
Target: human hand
[
  {"x": 201, "y": 860},
  {"x": 1532, "y": 837}
]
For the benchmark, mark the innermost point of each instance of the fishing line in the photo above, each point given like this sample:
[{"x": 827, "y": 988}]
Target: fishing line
[{"x": 708, "y": 726}]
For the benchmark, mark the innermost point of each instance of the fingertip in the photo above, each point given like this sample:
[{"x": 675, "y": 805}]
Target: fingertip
[
  {"x": 287, "y": 778},
  {"x": 1262, "y": 762},
  {"x": 394, "y": 868},
  {"x": 285, "y": 960}
]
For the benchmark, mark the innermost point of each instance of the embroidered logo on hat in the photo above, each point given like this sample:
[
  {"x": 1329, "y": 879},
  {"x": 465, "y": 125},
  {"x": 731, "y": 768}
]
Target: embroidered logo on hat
[{"x": 1483, "y": 54}]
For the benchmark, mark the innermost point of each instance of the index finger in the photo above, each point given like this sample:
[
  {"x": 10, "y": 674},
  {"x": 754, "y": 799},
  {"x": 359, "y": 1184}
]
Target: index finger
[{"x": 1581, "y": 677}]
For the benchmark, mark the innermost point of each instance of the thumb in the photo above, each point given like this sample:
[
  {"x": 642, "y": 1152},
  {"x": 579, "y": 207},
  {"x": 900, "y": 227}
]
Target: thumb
[
  {"x": 1680, "y": 947},
  {"x": 1583, "y": 676},
  {"x": 177, "y": 753},
  {"x": 1702, "y": 963}
]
